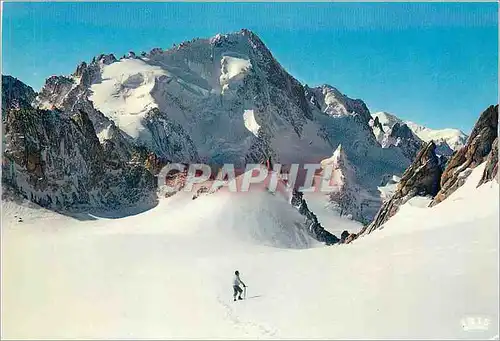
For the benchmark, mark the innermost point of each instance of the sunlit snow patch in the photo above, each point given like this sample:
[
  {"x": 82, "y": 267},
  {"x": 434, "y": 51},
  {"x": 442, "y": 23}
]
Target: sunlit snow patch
[
  {"x": 250, "y": 123},
  {"x": 232, "y": 69},
  {"x": 124, "y": 95},
  {"x": 104, "y": 134}
]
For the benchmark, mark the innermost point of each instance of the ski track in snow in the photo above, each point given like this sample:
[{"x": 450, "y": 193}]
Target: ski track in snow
[{"x": 249, "y": 328}]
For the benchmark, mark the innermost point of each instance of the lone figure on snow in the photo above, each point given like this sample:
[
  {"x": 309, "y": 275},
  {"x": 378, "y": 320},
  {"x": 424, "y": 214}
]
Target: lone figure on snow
[{"x": 236, "y": 285}]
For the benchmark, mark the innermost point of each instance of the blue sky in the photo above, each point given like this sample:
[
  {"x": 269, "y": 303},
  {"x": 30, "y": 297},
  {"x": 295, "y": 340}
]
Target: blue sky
[{"x": 432, "y": 63}]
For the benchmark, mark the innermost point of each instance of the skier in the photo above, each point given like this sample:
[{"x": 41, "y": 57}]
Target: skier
[{"x": 236, "y": 285}]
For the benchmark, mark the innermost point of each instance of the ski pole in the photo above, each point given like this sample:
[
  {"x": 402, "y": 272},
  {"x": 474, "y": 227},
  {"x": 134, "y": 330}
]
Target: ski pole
[{"x": 245, "y": 292}]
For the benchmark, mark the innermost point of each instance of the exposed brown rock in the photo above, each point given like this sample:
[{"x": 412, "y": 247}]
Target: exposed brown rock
[
  {"x": 420, "y": 179},
  {"x": 491, "y": 168},
  {"x": 56, "y": 160},
  {"x": 474, "y": 152}
]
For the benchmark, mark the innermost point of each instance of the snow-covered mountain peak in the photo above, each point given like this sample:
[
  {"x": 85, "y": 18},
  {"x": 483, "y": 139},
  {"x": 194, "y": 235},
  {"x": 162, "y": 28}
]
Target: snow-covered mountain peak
[
  {"x": 444, "y": 138},
  {"x": 220, "y": 90},
  {"x": 224, "y": 99},
  {"x": 347, "y": 196},
  {"x": 334, "y": 103},
  {"x": 386, "y": 119},
  {"x": 455, "y": 138}
]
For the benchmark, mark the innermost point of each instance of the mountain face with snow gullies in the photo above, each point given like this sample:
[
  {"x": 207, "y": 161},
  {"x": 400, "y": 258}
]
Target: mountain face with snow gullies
[
  {"x": 447, "y": 140},
  {"x": 226, "y": 100},
  {"x": 221, "y": 100}
]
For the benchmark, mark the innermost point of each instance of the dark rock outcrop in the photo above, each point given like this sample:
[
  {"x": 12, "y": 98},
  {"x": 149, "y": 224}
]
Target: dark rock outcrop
[
  {"x": 401, "y": 130},
  {"x": 344, "y": 236},
  {"x": 15, "y": 94},
  {"x": 420, "y": 179},
  {"x": 443, "y": 149},
  {"x": 474, "y": 152},
  {"x": 377, "y": 124},
  {"x": 491, "y": 167},
  {"x": 54, "y": 158},
  {"x": 201, "y": 190},
  {"x": 351, "y": 238},
  {"x": 401, "y": 136},
  {"x": 314, "y": 228}
]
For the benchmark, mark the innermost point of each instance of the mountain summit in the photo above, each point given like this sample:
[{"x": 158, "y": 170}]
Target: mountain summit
[{"x": 224, "y": 99}]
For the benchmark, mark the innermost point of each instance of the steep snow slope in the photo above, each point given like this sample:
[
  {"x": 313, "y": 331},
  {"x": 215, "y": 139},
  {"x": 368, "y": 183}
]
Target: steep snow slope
[
  {"x": 456, "y": 209},
  {"x": 166, "y": 273},
  {"x": 453, "y": 137}
]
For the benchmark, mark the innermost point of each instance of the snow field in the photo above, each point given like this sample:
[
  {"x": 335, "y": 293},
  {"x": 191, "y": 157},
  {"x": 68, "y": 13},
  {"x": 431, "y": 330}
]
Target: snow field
[{"x": 166, "y": 273}]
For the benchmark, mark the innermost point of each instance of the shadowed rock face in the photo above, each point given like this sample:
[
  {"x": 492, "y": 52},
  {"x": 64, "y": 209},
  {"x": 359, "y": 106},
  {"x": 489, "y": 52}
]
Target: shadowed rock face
[
  {"x": 15, "y": 93},
  {"x": 401, "y": 130},
  {"x": 477, "y": 148},
  {"x": 404, "y": 138},
  {"x": 491, "y": 168},
  {"x": 421, "y": 178},
  {"x": 54, "y": 158}
]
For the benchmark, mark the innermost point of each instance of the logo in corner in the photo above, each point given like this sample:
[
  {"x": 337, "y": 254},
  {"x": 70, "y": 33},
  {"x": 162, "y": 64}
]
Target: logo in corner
[{"x": 475, "y": 323}]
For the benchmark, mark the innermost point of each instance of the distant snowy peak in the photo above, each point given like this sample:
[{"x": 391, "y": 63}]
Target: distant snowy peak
[
  {"x": 453, "y": 138},
  {"x": 386, "y": 120},
  {"x": 332, "y": 102},
  {"x": 389, "y": 131},
  {"x": 220, "y": 90},
  {"x": 400, "y": 135}
]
